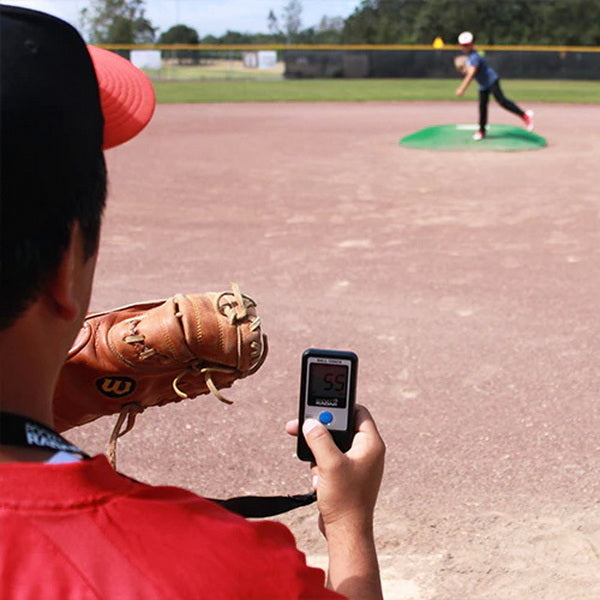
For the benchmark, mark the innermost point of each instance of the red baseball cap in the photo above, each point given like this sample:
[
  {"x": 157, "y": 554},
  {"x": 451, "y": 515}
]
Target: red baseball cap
[{"x": 126, "y": 96}]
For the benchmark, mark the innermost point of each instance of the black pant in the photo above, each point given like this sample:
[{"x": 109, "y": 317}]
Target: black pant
[{"x": 503, "y": 101}]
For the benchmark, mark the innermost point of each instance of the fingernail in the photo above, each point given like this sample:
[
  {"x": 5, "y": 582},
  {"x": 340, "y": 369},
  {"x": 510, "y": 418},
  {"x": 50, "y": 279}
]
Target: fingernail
[
  {"x": 315, "y": 482},
  {"x": 309, "y": 425}
]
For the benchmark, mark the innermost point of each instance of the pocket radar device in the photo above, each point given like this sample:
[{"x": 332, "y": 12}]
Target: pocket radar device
[{"x": 327, "y": 394}]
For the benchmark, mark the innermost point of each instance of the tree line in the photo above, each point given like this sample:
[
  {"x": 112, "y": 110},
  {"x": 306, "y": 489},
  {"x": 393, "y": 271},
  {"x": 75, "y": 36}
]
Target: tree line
[{"x": 494, "y": 22}]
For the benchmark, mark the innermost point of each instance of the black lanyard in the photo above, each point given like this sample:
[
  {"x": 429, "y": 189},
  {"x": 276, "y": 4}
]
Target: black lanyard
[{"x": 16, "y": 430}]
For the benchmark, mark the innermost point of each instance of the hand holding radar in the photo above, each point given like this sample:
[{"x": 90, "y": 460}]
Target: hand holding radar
[{"x": 327, "y": 394}]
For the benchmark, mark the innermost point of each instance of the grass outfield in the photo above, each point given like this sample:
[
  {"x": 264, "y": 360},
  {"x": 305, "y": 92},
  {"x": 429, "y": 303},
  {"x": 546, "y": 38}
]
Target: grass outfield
[{"x": 364, "y": 90}]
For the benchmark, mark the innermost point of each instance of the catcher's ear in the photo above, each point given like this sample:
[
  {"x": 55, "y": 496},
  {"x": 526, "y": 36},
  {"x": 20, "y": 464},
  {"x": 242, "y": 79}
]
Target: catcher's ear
[{"x": 70, "y": 289}]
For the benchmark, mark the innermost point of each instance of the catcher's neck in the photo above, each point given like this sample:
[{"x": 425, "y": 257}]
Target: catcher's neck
[
  {"x": 27, "y": 379},
  {"x": 28, "y": 372}
]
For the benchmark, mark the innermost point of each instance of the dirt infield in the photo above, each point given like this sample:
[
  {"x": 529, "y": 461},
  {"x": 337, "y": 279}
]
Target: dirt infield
[{"x": 467, "y": 283}]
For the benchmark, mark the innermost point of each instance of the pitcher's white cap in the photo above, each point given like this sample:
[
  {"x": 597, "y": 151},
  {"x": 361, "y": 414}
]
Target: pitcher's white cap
[{"x": 465, "y": 38}]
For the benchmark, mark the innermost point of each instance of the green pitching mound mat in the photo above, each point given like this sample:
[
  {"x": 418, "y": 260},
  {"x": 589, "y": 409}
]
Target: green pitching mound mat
[{"x": 499, "y": 138}]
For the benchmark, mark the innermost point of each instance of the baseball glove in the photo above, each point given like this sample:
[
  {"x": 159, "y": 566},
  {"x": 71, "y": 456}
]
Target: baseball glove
[
  {"x": 460, "y": 63},
  {"x": 153, "y": 353}
]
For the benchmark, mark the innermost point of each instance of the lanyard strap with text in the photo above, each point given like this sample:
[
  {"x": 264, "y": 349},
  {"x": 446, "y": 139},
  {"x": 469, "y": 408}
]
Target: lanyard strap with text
[{"x": 16, "y": 430}]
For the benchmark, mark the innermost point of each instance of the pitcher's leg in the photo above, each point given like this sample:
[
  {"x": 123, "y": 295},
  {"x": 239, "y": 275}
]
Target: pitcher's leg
[
  {"x": 503, "y": 101},
  {"x": 526, "y": 115},
  {"x": 484, "y": 98}
]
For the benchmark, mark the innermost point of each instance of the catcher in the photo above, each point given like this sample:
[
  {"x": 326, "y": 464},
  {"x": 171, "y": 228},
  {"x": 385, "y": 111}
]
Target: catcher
[{"x": 73, "y": 527}]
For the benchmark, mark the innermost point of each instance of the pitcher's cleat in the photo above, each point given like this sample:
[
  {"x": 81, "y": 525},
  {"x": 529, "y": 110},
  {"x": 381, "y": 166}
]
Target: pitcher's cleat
[
  {"x": 478, "y": 136},
  {"x": 528, "y": 118}
]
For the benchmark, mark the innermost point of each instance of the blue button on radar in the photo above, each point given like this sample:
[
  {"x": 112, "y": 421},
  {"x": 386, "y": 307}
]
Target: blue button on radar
[{"x": 325, "y": 417}]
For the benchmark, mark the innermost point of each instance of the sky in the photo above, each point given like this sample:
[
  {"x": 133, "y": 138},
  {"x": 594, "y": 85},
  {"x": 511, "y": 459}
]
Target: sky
[{"x": 207, "y": 17}]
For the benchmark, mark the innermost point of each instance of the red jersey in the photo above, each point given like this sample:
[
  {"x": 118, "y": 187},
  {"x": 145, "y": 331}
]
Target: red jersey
[{"x": 82, "y": 531}]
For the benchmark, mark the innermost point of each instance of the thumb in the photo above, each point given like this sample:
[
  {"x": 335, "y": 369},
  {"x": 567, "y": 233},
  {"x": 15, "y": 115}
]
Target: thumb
[{"x": 321, "y": 443}]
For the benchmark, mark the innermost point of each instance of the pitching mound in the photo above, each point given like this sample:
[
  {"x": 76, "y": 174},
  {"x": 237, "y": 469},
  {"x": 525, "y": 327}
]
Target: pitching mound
[{"x": 499, "y": 138}]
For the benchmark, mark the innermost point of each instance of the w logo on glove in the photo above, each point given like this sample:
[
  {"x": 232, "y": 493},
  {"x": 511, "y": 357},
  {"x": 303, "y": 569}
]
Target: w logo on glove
[{"x": 115, "y": 387}]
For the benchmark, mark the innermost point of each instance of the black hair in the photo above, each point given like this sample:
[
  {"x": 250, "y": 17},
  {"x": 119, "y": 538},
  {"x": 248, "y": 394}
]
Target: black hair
[
  {"x": 53, "y": 173},
  {"x": 36, "y": 224}
]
